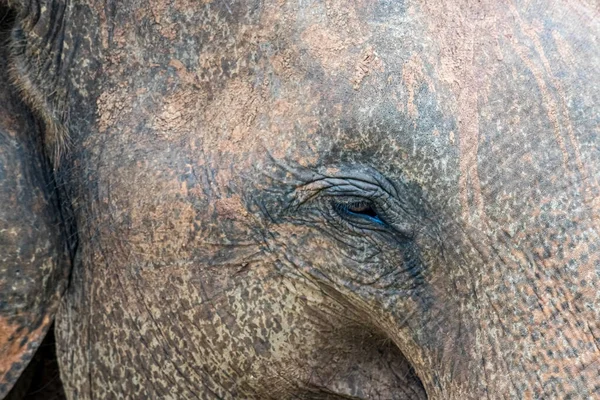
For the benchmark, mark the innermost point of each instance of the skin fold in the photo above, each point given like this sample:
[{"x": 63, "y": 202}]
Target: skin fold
[
  {"x": 322, "y": 199},
  {"x": 33, "y": 263}
]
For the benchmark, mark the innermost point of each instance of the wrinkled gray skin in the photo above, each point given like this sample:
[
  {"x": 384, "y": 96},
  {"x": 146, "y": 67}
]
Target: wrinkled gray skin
[{"x": 323, "y": 199}]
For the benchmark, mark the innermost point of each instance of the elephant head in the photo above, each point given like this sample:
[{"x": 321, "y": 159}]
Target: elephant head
[{"x": 321, "y": 199}]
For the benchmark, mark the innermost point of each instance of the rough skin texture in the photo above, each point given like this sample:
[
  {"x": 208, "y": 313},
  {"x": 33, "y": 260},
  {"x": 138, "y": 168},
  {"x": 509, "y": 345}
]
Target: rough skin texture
[
  {"x": 33, "y": 267},
  {"x": 324, "y": 199},
  {"x": 40, "y": 380}
]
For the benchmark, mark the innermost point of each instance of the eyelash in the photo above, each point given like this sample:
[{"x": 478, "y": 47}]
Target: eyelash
[{"x": 362, "y": 209}]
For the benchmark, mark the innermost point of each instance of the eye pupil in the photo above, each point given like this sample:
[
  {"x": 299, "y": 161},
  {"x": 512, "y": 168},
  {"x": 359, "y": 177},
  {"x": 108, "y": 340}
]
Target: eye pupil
[
  {"x": 359, "y": 209},
  {"x": 363, "y": 209}
]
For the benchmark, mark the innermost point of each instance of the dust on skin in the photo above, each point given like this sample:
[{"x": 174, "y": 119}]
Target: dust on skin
[
  {"x": 174, "y": 118},
  {"x": 457, "y": 39},
  {"x": 322, "y": 42},
  {"x": 564, "y": 48},
  {"x": 555, "y": 99},
  {"x": 369, "y": 63},
  {"x": 183, "y": 108},
  {"x": 463, "y": 43},
  {"x": 12, "y": 337},
  {"x": 111, "y": 107},
  {"x": 465, "y": 78},
  {"x": 232, "y": 114},
  {"x": 231, "y": 208},
  {"x": 282, "y": 113},
  {"x": 413, "y": 76}
]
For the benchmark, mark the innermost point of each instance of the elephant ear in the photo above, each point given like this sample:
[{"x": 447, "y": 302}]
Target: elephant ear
[{"x": 33, "y": 262}]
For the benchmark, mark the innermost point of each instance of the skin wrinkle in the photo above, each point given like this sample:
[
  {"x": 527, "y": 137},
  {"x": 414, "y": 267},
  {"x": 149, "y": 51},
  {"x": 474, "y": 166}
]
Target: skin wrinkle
[
  {"x": 331, "y": 182},
  {"x": 171, "y": 345},
  {"x": 122, "y": 286},
  {"x": 560, "y": 98},
  {"x": 34, "y": 260},
  {"x": 457, "y": 58},
  {"x": 141, "y": 299},
  {"x": 225, "y": 92}
]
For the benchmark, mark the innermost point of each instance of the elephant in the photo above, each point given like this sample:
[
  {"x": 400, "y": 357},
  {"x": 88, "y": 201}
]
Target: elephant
[{"x": 318, "y": 199}]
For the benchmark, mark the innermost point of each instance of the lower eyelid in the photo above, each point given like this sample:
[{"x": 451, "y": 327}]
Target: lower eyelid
[
  {"x": 344, "y": 209},
  {"x": 374, "y": 219}
]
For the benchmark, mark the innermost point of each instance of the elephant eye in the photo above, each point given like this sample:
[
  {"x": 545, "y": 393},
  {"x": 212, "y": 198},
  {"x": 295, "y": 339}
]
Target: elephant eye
[{"x": 361, "y": 209}]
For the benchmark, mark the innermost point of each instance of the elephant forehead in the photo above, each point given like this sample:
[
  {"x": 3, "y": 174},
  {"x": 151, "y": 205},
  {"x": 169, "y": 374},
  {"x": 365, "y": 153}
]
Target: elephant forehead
[
  {"x": 293, "y": 84},
  {"x": 442, "y": 99}
]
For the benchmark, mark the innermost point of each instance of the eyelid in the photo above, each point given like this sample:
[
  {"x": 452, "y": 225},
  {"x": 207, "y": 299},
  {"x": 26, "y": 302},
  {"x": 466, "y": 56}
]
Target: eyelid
[
  {"x": 358, "y": 204},
  {"x": 339, "y": 186},
  {"x": 384, "y": 221},
  {"x": 342, "y": 208}
]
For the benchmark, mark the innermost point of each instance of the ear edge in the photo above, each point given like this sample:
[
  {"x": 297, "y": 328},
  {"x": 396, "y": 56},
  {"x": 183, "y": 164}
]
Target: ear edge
[{"x": 34, "y": 266}]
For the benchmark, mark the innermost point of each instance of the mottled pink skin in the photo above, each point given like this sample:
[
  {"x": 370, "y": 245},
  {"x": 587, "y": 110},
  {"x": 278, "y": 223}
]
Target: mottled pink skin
[{"x": 211, "y": 142}]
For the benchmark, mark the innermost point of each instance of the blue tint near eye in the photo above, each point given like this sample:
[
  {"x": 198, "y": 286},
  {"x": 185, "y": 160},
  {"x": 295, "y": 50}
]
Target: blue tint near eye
[
  {"x": 360, "y": 209},
  {"x": 374, "y": 218}
]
